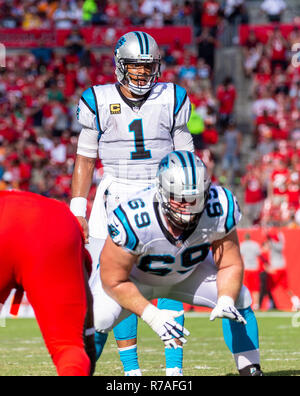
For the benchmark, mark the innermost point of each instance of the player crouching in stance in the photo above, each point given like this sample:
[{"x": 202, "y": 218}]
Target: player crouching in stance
[
  {"x": 42, "y": 252},
  {"x": 178, "y": 240}
]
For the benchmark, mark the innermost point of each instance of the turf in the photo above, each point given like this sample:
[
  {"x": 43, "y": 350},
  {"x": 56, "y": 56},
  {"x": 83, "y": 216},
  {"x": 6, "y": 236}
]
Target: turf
[{"x": 22, "y": 351}]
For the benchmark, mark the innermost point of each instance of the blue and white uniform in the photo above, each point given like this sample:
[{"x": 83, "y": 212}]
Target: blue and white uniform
[
  {"x": 181, "y": 269},
  {"x": 130, "y": 138}
]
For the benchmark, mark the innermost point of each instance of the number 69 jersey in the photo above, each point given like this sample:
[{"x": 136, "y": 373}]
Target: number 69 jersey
[{"x": 139, "y": 227}]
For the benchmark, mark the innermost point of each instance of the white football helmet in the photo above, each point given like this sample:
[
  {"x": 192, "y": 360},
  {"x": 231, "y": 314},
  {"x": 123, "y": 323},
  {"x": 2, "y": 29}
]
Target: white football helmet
[
  {"x": 137, "y": 48},
  {"x": 182, "y": 177}
]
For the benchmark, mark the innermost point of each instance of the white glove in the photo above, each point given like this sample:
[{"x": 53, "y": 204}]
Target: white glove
[
  {"x": 163, "y": 323},
  {"x": 225, "y": 309}
]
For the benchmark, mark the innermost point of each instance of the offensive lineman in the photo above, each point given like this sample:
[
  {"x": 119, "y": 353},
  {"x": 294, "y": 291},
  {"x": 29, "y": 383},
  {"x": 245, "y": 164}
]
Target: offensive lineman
[
  {"x": 42, "y": 252},
  {"x": 178, "y": 240},
  {"x": 131, "y": 125}
]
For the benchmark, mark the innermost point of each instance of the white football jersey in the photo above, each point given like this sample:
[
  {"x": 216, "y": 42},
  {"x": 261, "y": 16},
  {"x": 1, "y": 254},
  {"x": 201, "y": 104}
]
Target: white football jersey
[
  {"x": 132, "y": 137},
  {"x": 138, "y": 226}
]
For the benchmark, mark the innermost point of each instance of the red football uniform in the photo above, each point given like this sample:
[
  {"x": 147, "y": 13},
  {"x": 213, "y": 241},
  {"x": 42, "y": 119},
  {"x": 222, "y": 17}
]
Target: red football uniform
[{"x": 42, "y": 252}]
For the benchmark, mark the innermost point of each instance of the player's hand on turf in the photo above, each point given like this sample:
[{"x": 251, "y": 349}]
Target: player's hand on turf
[
  {"x": 85, "y": 228},
  {"x": 163, "y": 323},
  {"x": 225, "y": 309}
]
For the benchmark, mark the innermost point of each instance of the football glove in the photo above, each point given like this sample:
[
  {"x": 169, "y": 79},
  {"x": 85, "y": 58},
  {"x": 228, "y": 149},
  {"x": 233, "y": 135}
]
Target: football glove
[
  {"x": 163, "y": 323},
  {"x": 225, "y": 309}
]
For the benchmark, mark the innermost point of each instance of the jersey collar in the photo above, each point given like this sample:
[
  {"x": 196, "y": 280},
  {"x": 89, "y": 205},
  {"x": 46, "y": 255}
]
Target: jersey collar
[{"x": 133, "y": 104}]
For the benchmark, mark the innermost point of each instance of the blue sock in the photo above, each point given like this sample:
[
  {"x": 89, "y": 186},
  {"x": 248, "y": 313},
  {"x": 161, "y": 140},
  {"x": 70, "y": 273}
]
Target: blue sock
[
  {"x": 127, "y": 330},
  {"x": 239, "y": 337},
  {"x": 129, "y": 358},
  {"x": 100, "y": 340},
  {"x": 174, "y": 357}
]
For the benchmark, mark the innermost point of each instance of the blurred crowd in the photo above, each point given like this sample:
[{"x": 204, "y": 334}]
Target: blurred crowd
[
  {"x": 39, "y": 93},
  {"x": 40, "y": 89},
  {"x": 64, "y": 14},
  {"x": 272, "y": 181}
]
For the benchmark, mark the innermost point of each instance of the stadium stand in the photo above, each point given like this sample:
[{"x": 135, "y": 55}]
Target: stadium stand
[{"x": 40, "y": 87}]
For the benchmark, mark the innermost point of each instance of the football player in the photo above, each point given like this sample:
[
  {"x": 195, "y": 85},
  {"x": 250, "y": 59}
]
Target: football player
[
  {"x": 131, "y": 126},
  {"x": 178, "y": 240},
  {"x": 42, "y": 252}
]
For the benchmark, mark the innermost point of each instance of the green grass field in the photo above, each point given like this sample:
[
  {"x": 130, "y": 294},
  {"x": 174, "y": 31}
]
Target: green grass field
[{"x": 22, "y": 351}]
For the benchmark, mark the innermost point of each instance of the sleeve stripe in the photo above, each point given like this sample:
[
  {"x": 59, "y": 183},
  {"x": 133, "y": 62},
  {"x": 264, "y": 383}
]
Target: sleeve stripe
[
  {"x": 87, "y": 105},
  {"x": 90, "y": 100},
  {"x": 131, "y": 238},
  {"x": 180, "y": 98},
  {"x": 97, "y": 113},
  {"x": 230, "y": 220}
]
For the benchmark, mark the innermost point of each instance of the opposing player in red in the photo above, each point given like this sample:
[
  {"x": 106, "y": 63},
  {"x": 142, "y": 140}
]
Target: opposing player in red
[{"x": 42, "y": 252}]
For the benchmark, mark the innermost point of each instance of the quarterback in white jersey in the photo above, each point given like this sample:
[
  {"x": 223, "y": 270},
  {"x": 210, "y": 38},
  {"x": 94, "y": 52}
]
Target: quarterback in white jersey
[
  {"x": 130, "y": 125},
  {"x": 177, "y": 239},
  {"x": 130, "y": 138}
]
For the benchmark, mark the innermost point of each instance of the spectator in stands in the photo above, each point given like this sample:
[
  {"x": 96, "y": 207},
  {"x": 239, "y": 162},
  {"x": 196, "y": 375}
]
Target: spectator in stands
[
  {"x": 277, "y": 47},
  {"x": 203, "y": 74},
  {"x": 196, "y": 128},
  {"x": 210, "y": 134},
  {"x": 89, "y": 9},
  {"x": 75, "y": 42},
  {"x": 63, "y": 16},
  {"x": 273, "y": 9},
  {"x": 251, "y": 252},
  {"x": 226, "y": 96},
  {"x": 235, "y": 13},
  {"x": 112, "y": 12},
  {"x": 252, "y": 52},
  {"x": 7, "y": 19},
  {"x": 264, "y": 103},
  {"x": 187, "y": 71},
  {"x": 231, "y": 154},
  {"x": 231, "y": 151},
  {"x": 210, "y": 16},
  {"x": 254, "y": 193},
  {"x": 206, "y": 44},
  {"x": 155, "y": 20}
]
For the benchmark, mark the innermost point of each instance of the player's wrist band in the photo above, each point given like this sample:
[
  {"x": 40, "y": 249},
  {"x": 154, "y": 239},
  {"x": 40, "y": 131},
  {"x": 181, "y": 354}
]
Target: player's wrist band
[
  {"x": 78, "y": 206},
  {"x": 225, "y": 300},
  {"x": 149, "y": 314}
]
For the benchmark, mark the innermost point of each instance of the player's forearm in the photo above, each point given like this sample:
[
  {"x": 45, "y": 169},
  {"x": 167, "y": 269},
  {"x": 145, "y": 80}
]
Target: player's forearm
[
  {"x": 82, "y": 176},
  {"x": 127, "y": 295},
  {"x": 230, "y": 280},
  {"x": 230, "y": 265}
]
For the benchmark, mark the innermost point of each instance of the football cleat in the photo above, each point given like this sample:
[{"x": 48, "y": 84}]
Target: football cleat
[{"x": 253, "y": 370}]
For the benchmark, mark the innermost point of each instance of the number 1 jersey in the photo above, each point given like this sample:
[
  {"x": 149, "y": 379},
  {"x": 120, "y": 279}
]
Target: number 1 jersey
[{"x": 133, "y": 136}]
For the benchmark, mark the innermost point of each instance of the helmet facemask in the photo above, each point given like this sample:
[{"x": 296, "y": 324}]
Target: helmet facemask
[
  {"x": 139, "y": 83},
  {"x": 183, "y": 186},
  {"x": 187, "y": 213}
]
